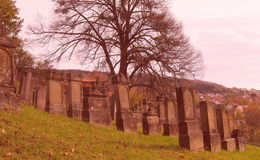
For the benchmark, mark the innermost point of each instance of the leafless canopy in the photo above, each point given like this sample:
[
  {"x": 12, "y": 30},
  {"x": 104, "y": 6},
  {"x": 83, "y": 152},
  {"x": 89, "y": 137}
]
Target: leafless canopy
[{"x": 130, "y": 37}]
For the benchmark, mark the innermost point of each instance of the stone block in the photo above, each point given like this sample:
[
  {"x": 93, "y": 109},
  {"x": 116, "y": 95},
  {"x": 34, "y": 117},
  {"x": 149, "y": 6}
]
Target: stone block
[
  {"x": 240, "y": 140},
  {"x": 95, "y": 107},
  {"x": 57, "y": 109},
  {"x": 211, "y": 136},
  {"x": 223, "y": 124},
  {"x": 189, "y": 127},
  {"x": 77, "y": 111},
  {"x": 151, "y": 124},
  {"x": 139, "y": 119},
  {"x": 240, "y": 144},
  {"x": 171, "y": 130},
  {"x": 193, "y": 142},
  {"x": 97, "y": 117},
  {"x": 229, "y": 144},
  {"x": 41, "y": 98},
  {"x": 8, "y": 98},
  {"x": 6, "y": 68},
  {"x": 126, "y": 121},
  {"x": 212, "y": 142},
  {"x": 190, "y": 134},
  {"x": 55, "y": 93}
]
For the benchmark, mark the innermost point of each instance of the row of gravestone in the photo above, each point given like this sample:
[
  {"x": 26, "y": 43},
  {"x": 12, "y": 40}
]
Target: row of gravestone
[
  {"x": 211, "y": 131},
  {"x": 64, "y": 93}
]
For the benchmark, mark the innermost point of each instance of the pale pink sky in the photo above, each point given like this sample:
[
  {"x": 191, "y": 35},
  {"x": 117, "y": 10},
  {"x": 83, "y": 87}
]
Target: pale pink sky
[{"x": 227, "y": 32}]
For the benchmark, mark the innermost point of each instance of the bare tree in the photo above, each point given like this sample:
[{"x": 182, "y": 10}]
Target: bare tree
[{"x": 130, "y": 37}]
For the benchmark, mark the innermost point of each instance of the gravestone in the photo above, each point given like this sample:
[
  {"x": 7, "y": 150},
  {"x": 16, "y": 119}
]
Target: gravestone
[
  {"x": 240, "y": 140},
  {"x": 138, "y": 114},
  {"x": 211, "y": 136},
  {"x": 95, "y": 107},
  {"x": 151, "y": 123},
  {"x": 41, "y": 98},
  {"x": 75, "y": 98},
  {"x": 112, "y": 105},
  {"x": 190, "y": 134},
  {"x": 26, "y": 87},
  {"x": 171, "y": 127},
  {"x": 56, "y": 98},
  {"x": 125, "y": 120},
  {"x": 161, "y": 107},
  {"x": 6, "y": 71},
  {"x": 8, "y": 99},
  {"x": 223, "y": 125}
]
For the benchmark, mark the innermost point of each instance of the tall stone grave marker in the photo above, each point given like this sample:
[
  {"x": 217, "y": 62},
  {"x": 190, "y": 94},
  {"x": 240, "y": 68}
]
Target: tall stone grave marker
[
  {"x": 162, "y": 112},
  {"x": 26, "y": 87},
  {"x": 125, "y": 120},
  {"x": 171, "y": 127},
  {"x": 223, "y": 125},
  {"x": 56, "y": 93},
  {"x": 209, "y": 127},
  {"x": 138, "y": 114},
  {"x": 190, "y": 134},
  {"x": 76, "y": 100},
  {"x": 41, "y": 98}
]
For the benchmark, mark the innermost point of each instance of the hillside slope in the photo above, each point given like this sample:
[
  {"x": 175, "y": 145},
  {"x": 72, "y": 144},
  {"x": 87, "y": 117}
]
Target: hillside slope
[{"x": 37, "y": 135}]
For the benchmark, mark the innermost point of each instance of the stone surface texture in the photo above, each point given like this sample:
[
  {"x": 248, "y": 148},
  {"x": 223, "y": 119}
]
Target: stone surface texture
[
  {"x": 211, "y": 136},
  {"x": 190, "y": 134}
]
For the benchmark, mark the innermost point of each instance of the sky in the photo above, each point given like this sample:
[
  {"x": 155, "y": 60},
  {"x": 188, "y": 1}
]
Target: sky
[{"x": 227, "y": 32}]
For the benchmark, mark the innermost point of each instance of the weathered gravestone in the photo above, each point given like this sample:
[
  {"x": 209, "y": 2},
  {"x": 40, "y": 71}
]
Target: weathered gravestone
[
  {"x": 56, "y": 93},
  {"x": 26, "y": 87},
  {"x": 171, "y": 127},
  {"x": 8, "y": 100},
  {"x": 190, "y": 134},
  {"x": 223, "y": 125},
  {"x": 138, "y": 114},
  {"x": 112, "y": 104},
  {"x": 162, "y": 112},
  {"x": 125, "y": 120},
  {"x": 95, "y": 107},
  {"x": 209, "y": 127},
  {"x": 240, "y": 140},
  {"x": 74, "y": 94},
  {"x": 75, "y": 98},
  {"x": 151, "y": 123},
  {"x": 41, "y": 98}
]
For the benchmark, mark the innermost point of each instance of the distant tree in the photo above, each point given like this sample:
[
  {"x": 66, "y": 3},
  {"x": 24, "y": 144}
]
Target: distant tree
[
  {"x": 252, "y": 116},
  {"x": 10, "y": 22},
  {"x": 45, "y": 64},
  {"x": 10, "y": 26},
  {"x": 130, "y": 37},
  {"x": 252, "y": 128}
]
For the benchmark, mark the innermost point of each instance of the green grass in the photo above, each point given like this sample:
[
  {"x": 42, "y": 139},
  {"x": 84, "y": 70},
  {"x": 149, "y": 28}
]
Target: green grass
[{"x": 37, "y": 135}]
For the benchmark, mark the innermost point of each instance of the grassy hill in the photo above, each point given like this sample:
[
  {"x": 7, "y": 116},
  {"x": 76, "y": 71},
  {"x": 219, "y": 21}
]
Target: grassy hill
[{"x": 37, "y": 135}]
